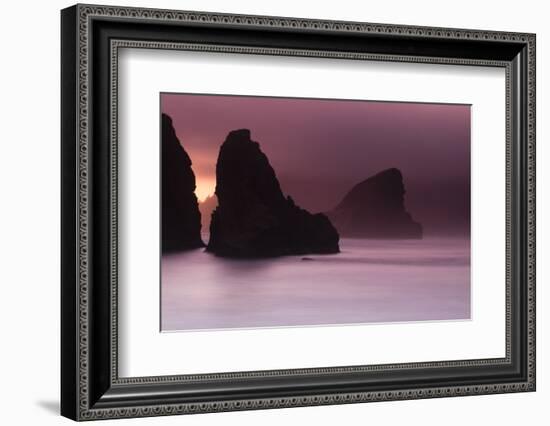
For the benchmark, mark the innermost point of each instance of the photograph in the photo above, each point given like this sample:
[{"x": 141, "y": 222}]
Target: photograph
[{"x": 295, "y": 212}]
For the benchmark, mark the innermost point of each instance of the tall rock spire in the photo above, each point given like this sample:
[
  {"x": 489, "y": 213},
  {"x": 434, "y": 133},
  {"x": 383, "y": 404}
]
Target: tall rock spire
[
  {"x": 253, "y": 217},
  {"x": 181, "y": 219}
]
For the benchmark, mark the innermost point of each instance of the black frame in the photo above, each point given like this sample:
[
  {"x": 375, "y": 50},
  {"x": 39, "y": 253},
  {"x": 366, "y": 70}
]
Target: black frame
[{"x": 90, "y": 387}]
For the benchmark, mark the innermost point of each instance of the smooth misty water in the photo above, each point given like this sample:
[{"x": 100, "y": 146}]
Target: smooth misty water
[{"x": 369, "y": 281}]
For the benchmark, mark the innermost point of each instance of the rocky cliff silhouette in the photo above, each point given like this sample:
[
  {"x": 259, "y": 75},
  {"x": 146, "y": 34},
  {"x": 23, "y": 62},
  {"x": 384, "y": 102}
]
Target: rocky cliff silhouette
[
  {"x": 253, "y": 217},
  {"x": 181, "y": 219},
  {"x": 375, "y": 208}
]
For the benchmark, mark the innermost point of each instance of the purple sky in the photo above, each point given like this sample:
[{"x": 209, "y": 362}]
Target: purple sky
[{"x": 321, "y": 148}]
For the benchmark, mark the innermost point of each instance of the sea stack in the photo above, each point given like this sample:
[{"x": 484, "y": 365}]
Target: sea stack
[
  {"x": 206, "y": 207},
  {"x": 375, "y": 208},
  {"x": 181, "y": 219},
  {"x": 253, "y": 217}
]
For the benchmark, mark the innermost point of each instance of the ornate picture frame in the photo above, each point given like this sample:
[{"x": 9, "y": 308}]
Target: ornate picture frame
[{"x": 91, "y": 37}]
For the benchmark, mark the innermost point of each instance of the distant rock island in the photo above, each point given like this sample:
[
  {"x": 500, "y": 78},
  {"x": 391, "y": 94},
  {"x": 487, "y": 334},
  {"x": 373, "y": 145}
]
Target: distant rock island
[
  {"x": 253, "y": 218},
  {"x": 206, "y": 207},
  {"x": 181, "y": 219},
  {"x": 375, "y": 208}
]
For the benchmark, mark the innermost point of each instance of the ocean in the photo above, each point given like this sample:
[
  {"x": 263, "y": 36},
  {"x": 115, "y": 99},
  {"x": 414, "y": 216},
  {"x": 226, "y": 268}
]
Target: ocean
[{"x": 369, "y": 281}]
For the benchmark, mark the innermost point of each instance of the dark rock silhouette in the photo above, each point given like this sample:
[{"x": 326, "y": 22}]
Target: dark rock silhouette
[
  {"x": 375, "y": 208},
  {"x": 206, "y": 207},
  {"x": 181, "y": 219},
  {"x": 253, "y": 217}
]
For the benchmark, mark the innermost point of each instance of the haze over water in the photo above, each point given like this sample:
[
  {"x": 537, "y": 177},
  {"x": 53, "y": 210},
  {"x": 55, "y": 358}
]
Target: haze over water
[{"x": 369, "y": 281}]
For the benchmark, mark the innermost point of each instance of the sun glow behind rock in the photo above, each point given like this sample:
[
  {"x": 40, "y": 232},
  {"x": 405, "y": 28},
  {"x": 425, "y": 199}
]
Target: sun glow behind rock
[{"x": 205, "y": 186}]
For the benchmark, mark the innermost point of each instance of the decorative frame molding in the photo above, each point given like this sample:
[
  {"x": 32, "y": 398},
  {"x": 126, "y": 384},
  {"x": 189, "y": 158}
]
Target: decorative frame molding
[{"x": 87, "y": 397}]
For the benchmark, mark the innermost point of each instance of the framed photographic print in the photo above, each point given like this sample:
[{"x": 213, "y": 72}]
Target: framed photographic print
[{"x": 263, "y": 212}]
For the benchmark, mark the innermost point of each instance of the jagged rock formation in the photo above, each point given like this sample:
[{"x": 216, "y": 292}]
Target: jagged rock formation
[
  {"x": 375, "y": 208},
  {"x": 253, "y": 217},
  {"x": 206, "y": 207},
  {"x": 181, "y": 219}
]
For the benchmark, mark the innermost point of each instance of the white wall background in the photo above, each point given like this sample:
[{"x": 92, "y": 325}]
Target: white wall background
[{"x": 29, "y": 223}]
